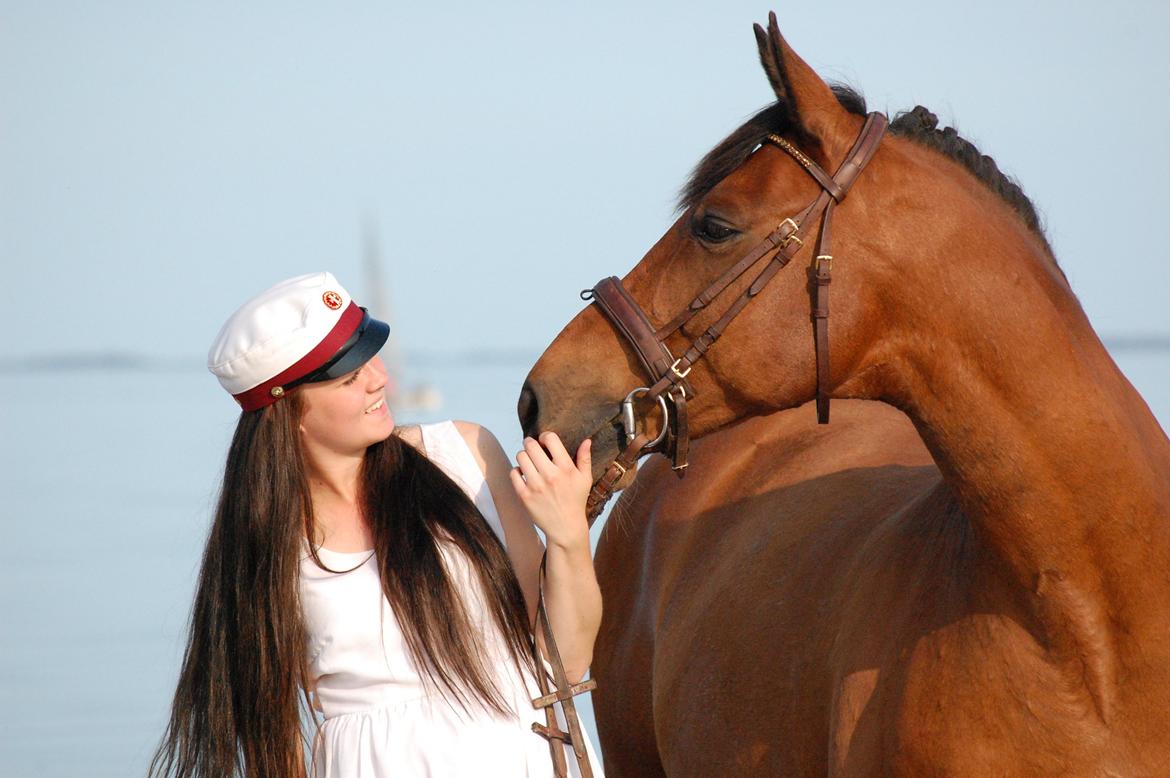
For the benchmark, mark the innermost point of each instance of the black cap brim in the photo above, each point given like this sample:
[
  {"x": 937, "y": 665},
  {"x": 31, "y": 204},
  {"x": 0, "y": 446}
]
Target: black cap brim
[
  {"x": 372, "y": 335},
  {"x": 366, "y": 341}
]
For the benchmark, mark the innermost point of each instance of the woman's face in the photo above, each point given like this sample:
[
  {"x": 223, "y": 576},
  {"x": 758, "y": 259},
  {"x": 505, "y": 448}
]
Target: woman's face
[{"x": 345, "y": 415}]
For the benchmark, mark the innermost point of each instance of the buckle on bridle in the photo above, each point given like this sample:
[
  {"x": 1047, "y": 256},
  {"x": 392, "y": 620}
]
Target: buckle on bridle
[
  {"x": 683, "y": 374},
  {"x": 791, "y": 236}
]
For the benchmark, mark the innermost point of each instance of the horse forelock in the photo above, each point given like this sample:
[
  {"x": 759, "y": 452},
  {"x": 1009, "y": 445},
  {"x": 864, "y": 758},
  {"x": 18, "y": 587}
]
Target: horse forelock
[{"x": 918, "y": 125}]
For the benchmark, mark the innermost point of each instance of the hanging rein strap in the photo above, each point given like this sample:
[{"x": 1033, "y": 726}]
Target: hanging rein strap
[{"x": 563, "y": 693}]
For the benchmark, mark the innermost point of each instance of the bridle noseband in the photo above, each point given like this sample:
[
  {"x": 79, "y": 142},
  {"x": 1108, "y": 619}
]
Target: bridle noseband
[{"x": 669, "y": 386}]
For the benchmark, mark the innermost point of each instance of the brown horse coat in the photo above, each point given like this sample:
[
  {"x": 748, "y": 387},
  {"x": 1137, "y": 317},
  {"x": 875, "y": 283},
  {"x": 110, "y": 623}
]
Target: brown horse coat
[{"x": 814, "y": 601}]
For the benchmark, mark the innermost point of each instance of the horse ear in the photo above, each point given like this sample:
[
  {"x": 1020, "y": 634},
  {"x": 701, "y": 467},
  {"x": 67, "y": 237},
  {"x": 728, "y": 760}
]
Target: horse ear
[{"x": 811, "y": 105}]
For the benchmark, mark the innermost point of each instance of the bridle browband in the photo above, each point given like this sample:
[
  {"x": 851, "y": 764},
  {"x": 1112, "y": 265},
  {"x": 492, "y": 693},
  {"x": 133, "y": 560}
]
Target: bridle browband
[{"x": 668, "y": 374}]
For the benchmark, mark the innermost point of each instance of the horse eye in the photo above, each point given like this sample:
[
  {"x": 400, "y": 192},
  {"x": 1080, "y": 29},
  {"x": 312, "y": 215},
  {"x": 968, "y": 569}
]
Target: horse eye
[{"x": 712, "y": 230}]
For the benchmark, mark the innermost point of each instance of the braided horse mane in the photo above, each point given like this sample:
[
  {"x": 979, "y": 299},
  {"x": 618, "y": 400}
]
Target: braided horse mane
[{"x": 919, "y": 125}]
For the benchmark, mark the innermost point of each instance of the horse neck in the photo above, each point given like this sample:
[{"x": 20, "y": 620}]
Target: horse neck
[{"x": 1049, "y": 451}]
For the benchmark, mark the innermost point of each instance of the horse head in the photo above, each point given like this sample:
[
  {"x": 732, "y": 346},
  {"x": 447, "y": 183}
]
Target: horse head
[
  {"x": 1049, "y": 513},
  {"x": 900, "y": 265}
]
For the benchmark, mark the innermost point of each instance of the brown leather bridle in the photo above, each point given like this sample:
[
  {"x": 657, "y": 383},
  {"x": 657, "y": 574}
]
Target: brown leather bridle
[
  {"x": 671, "y": 391},
  {"x": 669, "y": 387}
]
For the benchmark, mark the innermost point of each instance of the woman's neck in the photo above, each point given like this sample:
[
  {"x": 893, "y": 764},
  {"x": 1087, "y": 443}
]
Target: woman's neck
[{"x": 335, "y": 490}]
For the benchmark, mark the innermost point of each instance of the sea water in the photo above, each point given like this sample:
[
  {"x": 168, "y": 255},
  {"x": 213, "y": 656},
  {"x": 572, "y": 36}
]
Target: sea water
[{"x": 109, "y": 478}]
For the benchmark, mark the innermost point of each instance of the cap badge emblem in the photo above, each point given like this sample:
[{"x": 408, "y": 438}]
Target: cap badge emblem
[
  {"x": 332, "y": 300},
  {"x": 277, "y": 391}
]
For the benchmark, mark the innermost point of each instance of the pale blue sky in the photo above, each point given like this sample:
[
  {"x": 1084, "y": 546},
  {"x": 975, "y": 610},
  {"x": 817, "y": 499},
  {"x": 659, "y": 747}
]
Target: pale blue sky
[{"x": 161, "y": 162}]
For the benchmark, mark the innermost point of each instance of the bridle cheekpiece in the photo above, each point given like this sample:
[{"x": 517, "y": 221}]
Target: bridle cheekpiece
[{"x": 669, "y": 387}]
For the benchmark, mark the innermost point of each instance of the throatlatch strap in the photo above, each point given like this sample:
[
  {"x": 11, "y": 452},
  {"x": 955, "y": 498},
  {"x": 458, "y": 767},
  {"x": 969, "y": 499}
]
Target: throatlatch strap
[
  {"x": 680, "y": 433},
  {"x": 822, "y": 267}
]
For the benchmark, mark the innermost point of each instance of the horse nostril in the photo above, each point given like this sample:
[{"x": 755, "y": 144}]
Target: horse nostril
[{"x": 528, "y": 410}]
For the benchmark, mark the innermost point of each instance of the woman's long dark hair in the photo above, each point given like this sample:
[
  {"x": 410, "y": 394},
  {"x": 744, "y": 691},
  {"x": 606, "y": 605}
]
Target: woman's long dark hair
[{"x": 238, "y": 706}]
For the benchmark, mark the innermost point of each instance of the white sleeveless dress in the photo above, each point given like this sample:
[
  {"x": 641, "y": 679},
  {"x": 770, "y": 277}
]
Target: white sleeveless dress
[{"x": 380, "y": 717}]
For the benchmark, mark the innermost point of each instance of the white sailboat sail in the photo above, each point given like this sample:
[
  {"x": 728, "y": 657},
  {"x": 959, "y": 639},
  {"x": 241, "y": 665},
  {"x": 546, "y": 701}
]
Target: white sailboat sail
[{"x": 401, "y": 393}]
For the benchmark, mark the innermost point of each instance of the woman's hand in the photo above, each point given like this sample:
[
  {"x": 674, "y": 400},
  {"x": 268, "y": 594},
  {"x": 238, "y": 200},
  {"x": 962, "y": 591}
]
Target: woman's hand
[{"x": 554, "y": 488}]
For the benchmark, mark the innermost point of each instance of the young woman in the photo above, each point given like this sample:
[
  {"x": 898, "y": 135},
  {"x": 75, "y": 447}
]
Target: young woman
[{"x": 383, "y": 579}]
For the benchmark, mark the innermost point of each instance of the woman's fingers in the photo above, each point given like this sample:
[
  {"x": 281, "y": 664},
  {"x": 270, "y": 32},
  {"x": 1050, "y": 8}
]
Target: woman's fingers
[
  {"x": 518, "y": 482},
  {"x": 539, "y": 457},
  {"x": 554, "y": 487},
  {"x": 527, "y": 468},
  {"x": 585, "y": 457},
  {"x": 552, "y": 442}
]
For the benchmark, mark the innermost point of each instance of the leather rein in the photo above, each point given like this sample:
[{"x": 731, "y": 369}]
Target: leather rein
[{"x": 668, "y": 375}]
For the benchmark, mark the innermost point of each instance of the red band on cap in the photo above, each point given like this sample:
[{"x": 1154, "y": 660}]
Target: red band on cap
[{"x": 259, "y": 396}]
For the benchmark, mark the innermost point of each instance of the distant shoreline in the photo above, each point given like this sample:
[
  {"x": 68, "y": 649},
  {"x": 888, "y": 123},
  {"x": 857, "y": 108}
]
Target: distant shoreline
[
  {"x": 105, "y": 361},
  {"x": 125, "y": 361}
]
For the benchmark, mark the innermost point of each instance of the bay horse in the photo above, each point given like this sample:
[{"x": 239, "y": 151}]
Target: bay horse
[{"x": 970, "y": 576}]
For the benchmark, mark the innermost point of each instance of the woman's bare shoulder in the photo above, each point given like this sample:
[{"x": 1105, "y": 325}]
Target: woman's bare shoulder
[
  {"x": 483, "y": 444},
  {"x": 412, "y": 434},
  {"x": 470, "y": 430},
  {"x": 474, "y": 434}
]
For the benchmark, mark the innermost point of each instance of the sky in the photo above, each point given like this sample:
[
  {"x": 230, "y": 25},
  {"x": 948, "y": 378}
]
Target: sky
[{"x": 161, "y": 162}]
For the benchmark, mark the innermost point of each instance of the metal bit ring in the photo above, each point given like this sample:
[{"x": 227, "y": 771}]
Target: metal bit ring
[{"x": 630, "y": 424}]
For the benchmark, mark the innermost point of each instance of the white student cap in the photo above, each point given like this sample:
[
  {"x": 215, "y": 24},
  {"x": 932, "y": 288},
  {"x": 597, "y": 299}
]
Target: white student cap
[{"x": 304, "y": 329}]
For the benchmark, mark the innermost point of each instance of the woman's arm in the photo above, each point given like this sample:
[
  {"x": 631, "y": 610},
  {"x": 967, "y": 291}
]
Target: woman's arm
[{"x": 548, "y": 492}]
